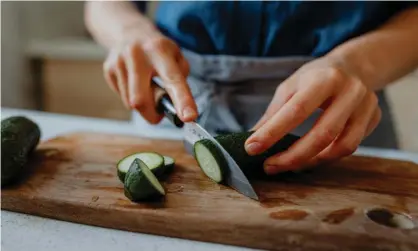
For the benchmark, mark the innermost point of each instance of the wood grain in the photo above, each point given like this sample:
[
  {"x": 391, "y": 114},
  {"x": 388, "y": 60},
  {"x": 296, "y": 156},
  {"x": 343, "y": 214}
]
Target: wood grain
[{"x": 73, "y": 178}]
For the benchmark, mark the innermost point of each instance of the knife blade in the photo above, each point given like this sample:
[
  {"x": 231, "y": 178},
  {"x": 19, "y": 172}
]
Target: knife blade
[{"x": 193, "y": 132}]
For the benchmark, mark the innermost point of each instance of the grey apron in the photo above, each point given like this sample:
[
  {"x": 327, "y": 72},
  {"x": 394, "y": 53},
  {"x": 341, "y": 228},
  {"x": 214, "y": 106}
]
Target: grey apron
[{"x": 232, "y": 93}]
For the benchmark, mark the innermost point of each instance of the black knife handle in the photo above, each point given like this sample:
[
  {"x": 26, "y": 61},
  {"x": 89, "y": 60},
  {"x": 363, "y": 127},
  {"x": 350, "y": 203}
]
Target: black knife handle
[{"x": 165, "y": 105}]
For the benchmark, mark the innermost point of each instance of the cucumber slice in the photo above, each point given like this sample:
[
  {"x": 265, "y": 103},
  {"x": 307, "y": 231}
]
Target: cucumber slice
[
  {"x": 233, "y": 143},
  {"x": 168, "y": 161},
  {"x": 210, "y": 159},
  {"x": 140, "y": 183},
  {"x": 168, "y": 167},
  {"x": 154, "y": 161}
]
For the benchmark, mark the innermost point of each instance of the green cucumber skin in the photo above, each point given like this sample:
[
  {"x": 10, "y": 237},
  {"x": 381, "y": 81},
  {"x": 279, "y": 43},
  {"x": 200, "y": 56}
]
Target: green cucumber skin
[
  {"x": 121, "y": 176},
  {"x": 163, "y": 172},
  {"x": 221, "y": 162},
  {"x": 136, "y": 185},
  {"x": 252, "y": 166},
  {"x": 19, "y": 138},
  {"x": 160, "y": 172}
]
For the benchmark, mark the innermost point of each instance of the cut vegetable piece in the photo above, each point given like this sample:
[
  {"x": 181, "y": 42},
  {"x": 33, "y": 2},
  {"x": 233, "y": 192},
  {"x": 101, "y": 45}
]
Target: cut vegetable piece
[
  {"x": 168, "y": 161},
  {"x": 154, "y": 161},
  {"x": 210, "y": 159},
  {"x": 233, "y": 143},
  {"x": 19, "y": 138},
  {"x": 140, "y": 183}
]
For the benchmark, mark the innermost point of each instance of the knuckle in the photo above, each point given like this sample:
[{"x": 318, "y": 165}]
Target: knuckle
[
  {"x": 174, "y": 78},
  {"x": 132, "y": 48},
  {"x": 283, "y": 91},
  {"x": 134, "y": 52},
  {"x": 157, "y": 44},
  {"x": 185, "y": 67},
  {"x": 138, "y": 102},
  {"x": 326, "y": 136},
  {"x": 107, "y": 66},
  {"x": 111, "y": 59},
  {"x": 357, "y": 87},
  {"x": 299, "y": 109},
  {"x": 336, "y": 75},
  {"x": 120, "y": 61},
  {"x": 347, "y": 148},
  {"x": 373, "y": 99},
  {"x": 269, "y": 134},
  {"x": 265, "y": 135},
  {"x": 291, "y": 161}
]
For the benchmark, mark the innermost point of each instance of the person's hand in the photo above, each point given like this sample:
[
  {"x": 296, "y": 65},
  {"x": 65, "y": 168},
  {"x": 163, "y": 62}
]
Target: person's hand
[
  {"x": 129, "y": 68},
  {"x": 350, "y": 113}
]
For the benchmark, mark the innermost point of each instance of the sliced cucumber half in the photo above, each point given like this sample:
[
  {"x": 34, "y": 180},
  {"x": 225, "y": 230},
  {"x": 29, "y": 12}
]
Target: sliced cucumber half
[
  {"x": 210, "y": 159},
  {"x": 141, "y": 183},
  {"x": 154, "y": 161}
]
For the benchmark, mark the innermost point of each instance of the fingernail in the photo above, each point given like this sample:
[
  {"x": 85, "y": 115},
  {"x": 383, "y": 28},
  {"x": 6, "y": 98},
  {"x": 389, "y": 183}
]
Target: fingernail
[
  {"x": 188, "y": 113},
  {"x": 270, "y": 169},
  {"x": 253, "y": 148}
]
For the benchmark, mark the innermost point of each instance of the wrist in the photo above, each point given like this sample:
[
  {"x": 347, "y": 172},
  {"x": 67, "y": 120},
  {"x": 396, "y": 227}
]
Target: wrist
[
  {"x": 355, "y": 65},
  {"x": 140, "y": 31}
]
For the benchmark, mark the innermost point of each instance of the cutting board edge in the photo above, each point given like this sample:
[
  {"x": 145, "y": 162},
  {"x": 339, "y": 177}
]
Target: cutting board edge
[{"x": 285, "y": 241}]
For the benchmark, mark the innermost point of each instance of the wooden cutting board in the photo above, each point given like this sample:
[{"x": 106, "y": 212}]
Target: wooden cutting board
[{"x": 73, "y": 178}]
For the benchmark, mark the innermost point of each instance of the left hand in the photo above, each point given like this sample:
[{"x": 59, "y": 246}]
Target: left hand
[{"x": 350, "y": 113}]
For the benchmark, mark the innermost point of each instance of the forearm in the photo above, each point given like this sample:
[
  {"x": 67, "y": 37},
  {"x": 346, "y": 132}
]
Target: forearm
[
  {"x": 384, "y": 55},
  {"x": 111, "y": 22}
]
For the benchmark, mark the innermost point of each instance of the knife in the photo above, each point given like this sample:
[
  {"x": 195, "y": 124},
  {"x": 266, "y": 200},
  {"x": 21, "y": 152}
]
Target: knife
[{"x": 194, "y": 132}]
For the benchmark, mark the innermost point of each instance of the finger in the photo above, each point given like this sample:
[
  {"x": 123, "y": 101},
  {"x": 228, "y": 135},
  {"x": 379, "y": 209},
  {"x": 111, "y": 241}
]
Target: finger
[
  {"x": 109, "y": 72},
  {"x": 175, "y": 84},
  {"x": 282, "y": 95},
  {"x": 184, "y": 66},
  {"x": 121, "y": 75},
  {"x": 324, "y": 132},
  {"x": 374, "y": 122},
  {"x": 295, "y": 111},
  {"x": 178, "y": 89},
  {"x": 353, "y": 133},
  {"x": 141, "y": 94},
  {"x": 111, "y": 80}
]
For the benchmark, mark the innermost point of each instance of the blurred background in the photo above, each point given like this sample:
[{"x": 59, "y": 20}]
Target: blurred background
[{"x": 50, "y": 63}]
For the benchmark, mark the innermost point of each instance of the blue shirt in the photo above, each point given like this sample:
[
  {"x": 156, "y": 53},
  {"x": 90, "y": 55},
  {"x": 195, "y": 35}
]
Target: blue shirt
[{"x": 267, "y": 28}]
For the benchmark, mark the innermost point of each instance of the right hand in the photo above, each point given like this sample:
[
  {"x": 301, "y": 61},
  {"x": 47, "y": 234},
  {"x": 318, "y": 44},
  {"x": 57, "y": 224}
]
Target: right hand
[{"x": 129, "y": 68}]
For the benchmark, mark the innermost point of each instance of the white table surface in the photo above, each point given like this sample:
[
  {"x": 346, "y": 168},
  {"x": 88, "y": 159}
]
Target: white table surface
[{"x": 27, "y": 232}]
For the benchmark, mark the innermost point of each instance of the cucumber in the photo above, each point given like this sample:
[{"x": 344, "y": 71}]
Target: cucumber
[
  {"x": 154, "y": 161},
  {"x": 210, "y": 159},
  {"x": 168, "y": 161},
  {"x": 140, "y": 183},
  {"x": 160, "y": 165},
  {"x": 169, "y": 164},
  {"x": 19, "y": 137},
  {"x": 233, "y": 143}
]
